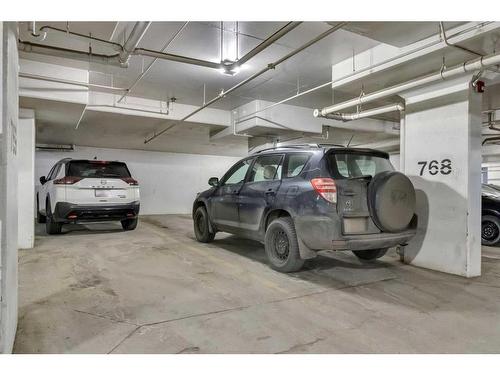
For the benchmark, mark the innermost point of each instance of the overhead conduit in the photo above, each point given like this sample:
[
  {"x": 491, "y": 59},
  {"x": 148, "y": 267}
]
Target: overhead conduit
[
  {"x": 467, "y": 67},
  {"x": 130, "y": 48},
  {"x": 249, "y": 79}
]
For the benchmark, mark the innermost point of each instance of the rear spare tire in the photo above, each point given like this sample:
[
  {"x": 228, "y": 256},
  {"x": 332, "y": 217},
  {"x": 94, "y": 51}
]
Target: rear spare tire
[{"x": 391, "y": 200}]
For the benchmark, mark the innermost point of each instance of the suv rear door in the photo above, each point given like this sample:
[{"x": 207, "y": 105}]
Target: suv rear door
[
  {"x": 259, "y": 191},
  {"x": 352, "y": 171},
  {"x": 94, "y": 181}
]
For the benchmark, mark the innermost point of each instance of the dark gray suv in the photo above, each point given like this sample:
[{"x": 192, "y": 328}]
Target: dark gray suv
[{"x": 302, "y": 199}]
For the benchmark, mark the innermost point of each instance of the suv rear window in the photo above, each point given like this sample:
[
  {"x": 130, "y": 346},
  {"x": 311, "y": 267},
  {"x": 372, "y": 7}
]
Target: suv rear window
[
  {"x": 351, "y": 165},
  {"x": 97, "y": 169}
]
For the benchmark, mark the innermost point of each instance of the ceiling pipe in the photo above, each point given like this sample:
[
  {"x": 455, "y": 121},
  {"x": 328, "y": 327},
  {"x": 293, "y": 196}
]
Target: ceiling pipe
[
  {"x": 398, "y": 107},
  {"x": 133, "y": 41},
  {"x": 467, "y": 67},
  {"x": 445, "y": 40},
  {"x": 251, "y": 78},
  {"x": 265, "y": 43},
  {"x": 145, "y": 71},
  {"x": 490, "y": 139},
  {"x": 74, "y": 83},
  {"x": 140, "y": 28},
  {"x": 42, "y": 49},
  {"x": 47, "y": 29},
  {"x": 177, "y": 58},
  {"x": 246, "y": 117},
  {"x": 34, "y": 33}
]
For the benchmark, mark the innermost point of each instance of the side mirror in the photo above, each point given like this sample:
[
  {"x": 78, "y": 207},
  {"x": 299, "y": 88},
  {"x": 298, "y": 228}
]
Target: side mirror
[
  {"x": 213, "y": 181},
  {"x": 43, "y": 180}
]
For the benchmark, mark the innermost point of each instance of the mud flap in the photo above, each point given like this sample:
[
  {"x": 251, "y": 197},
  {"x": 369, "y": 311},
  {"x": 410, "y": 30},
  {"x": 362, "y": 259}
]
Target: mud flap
[{"x": 304, "y": 251}]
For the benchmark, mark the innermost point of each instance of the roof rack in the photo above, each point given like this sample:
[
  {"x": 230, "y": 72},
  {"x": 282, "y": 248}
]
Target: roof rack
[{"x": 300, "y": 146}]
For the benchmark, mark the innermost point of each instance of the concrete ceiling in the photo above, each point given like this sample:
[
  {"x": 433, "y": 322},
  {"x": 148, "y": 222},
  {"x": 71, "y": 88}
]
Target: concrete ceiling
[
  {"x": 202, "y": 40},
  {"x": 56, "y": 124},
  {"x": 187, "y": 83}
]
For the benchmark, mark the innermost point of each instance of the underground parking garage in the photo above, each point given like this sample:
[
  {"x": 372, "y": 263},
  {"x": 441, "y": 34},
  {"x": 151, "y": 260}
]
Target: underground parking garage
[{"x": 239, "y": 187}]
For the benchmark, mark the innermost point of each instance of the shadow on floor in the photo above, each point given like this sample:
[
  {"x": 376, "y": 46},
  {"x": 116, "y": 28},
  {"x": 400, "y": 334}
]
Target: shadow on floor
[
  {"x": 329, "y": 268},
  {"x": 82, "y": 229}
]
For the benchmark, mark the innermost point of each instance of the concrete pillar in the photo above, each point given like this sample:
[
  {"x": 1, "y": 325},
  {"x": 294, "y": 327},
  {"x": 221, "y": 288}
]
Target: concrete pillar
[
  {"x": 26, "y": 178},
  {"x": 441, "y": 153},
  {"x": 8, "y": 184}
]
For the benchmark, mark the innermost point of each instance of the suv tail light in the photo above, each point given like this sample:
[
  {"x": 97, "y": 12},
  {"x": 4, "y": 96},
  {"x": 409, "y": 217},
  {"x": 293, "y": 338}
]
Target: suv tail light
[
  {"x": 326, "y": 188},
  {"x": 68, "y": 180},
  {"x": 130, "y": 181}
]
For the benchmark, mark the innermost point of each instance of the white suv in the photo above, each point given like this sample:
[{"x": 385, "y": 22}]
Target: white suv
[{"x": 77, "y": 191}]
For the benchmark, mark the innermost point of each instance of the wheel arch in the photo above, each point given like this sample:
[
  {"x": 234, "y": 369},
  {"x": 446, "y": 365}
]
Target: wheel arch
[
  {"x": 490, "y": 212},
  {"x": 274, "y": 214},
  {"x": 199, "y": 203}
]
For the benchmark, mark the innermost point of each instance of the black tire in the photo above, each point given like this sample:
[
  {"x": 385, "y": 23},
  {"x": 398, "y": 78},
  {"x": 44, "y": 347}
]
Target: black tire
[
  {"x": 370, "y": 254},
  {"x": 51, "y": 227},
  {"x": 490, "y": 230},
  {"x": 129, "y": 224},
  {"x": 282, "y": 248},
  {"x": 202, "y": 226},
  {"x": 41, "y": 219}
]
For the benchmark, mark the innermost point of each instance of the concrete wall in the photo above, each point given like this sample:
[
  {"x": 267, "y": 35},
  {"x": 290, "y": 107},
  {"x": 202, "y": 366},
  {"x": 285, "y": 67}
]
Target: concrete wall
[
  {"x": 169, "y": 181},
  {"x": 26, "y": 182},
  {"x": 8, "y": 185}
]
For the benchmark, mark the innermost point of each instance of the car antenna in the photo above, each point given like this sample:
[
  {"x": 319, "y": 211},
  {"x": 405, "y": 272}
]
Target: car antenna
[
  {"x": 95, "y": 157},
  {"x": 350, "y": 140}
]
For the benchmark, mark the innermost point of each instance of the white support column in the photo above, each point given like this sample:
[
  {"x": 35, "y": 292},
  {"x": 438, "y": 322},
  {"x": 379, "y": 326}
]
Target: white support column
[
  {"x": 442, "y": 156},
  {"x": 8, "y": 184},
  {"x": 26, "y": 178}
]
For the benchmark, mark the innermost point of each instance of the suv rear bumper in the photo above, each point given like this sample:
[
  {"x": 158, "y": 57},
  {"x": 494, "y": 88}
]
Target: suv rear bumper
[
  {"x": 70, "y": 213},
  {"x": 373, "y": 241},
  {"x": 324, "y": 233}
]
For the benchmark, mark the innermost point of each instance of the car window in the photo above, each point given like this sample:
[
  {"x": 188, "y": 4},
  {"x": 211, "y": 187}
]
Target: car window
[
  {"x": 53, "y": 172},
  {"x": 356, "y": 165},
  {"x": 97, "y": 169},
  {"x": 296, "y": 163},
  {"x": 266, "y": 168},
  {"x": 237, "y": 173}
]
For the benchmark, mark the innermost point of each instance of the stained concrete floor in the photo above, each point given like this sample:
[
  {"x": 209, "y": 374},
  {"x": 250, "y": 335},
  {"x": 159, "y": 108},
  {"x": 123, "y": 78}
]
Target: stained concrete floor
[{"x": 156, "y": 290}]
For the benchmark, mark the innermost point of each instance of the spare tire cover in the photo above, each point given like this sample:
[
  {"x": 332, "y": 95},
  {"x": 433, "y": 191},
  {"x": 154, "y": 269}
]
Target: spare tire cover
[{"x": 391, "y": 199}]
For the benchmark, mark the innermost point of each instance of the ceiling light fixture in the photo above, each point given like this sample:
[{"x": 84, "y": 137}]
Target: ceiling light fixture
[{"x": 229, "y": 68}]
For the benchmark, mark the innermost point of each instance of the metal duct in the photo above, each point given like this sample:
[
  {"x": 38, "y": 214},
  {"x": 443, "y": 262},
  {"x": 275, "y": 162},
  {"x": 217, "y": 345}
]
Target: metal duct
[
  {"x": 466, "y": 67},
  {"x": 367, "y": 113},
  {"x": 133, "y": 40}
]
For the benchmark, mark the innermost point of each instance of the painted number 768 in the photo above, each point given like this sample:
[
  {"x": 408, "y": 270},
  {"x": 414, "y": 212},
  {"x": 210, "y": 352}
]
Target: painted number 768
[{"x": 434, "y": 167}]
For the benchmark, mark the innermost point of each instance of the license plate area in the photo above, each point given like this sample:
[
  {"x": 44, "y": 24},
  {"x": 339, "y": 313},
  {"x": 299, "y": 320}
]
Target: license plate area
[
  {"x": 109, "y": 193},
  {"x": 355, "y": 225}
]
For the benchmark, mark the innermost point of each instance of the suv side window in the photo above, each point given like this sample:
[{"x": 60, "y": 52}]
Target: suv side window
[
  {"x": 266, "y": 168},
  {"x": 295, "y": 163},
  {"x": 237, "y": 173},
  {"x": 53, "y": 172}
]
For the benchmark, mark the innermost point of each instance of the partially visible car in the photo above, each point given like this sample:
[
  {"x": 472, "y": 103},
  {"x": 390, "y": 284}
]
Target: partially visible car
[
  {"x": 490, "y": 215},
  {"x": 83, "y": 191}
]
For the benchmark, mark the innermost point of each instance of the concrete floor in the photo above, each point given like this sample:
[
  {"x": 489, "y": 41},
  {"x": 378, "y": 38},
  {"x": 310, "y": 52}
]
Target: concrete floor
[{"x": 156, "y": 290}]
